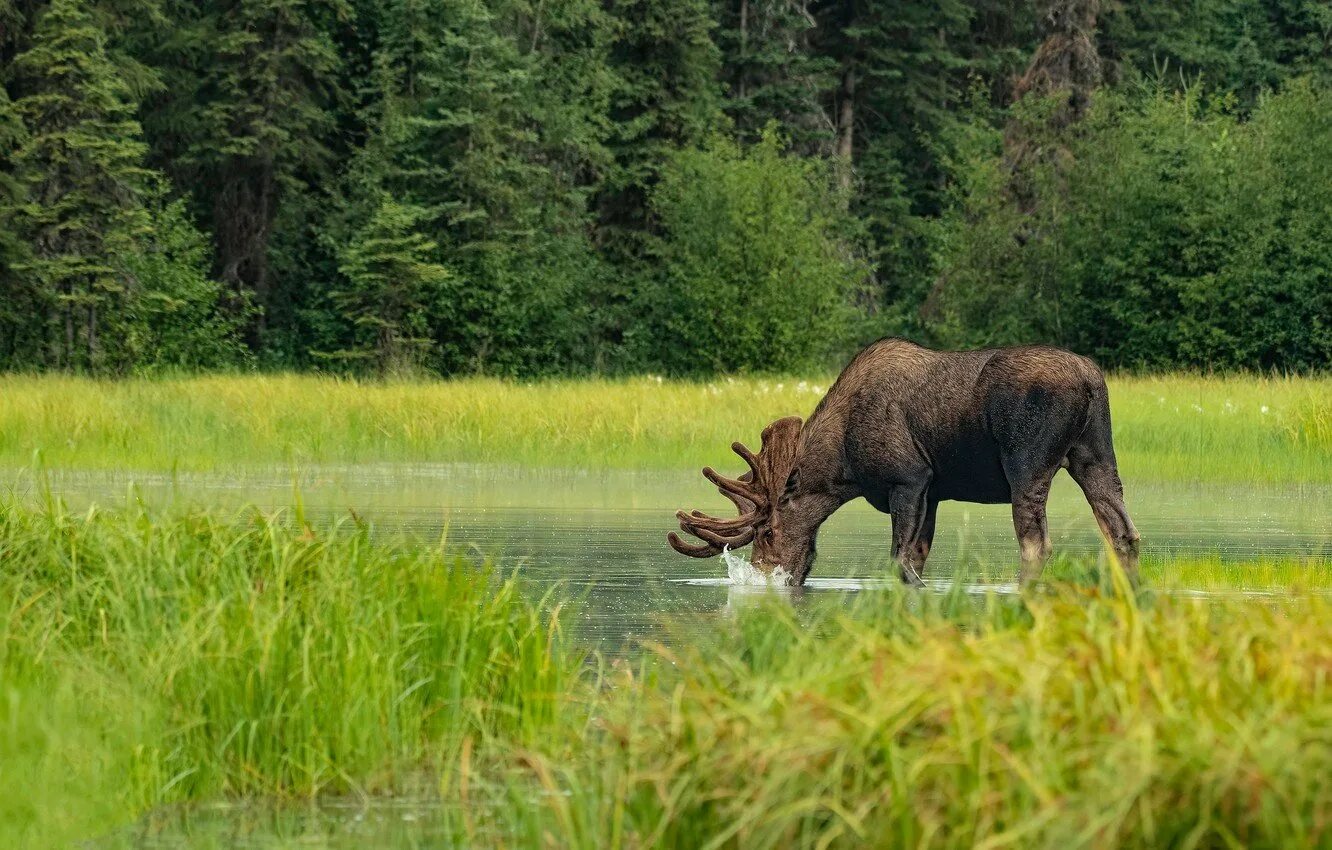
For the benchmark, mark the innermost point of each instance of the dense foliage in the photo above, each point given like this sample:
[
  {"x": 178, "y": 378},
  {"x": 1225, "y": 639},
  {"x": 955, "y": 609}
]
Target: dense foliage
[
  {"x": 517, "y": 188},
  {"x": 1174, "y": 232}
]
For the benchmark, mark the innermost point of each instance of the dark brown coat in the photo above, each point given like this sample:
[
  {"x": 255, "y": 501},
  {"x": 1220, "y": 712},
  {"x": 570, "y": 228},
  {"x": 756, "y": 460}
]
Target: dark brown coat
[{"x": 906, "y": 427}]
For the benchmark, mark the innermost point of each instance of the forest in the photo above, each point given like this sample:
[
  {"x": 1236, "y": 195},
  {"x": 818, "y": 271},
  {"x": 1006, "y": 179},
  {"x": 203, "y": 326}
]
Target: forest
[{"x": 687, "y": 187}]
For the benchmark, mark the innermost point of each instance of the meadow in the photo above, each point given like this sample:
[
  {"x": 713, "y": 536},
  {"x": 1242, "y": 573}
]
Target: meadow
[
  {"x": 154, "y": 659},
  {"x": 1176, "y": 427}
]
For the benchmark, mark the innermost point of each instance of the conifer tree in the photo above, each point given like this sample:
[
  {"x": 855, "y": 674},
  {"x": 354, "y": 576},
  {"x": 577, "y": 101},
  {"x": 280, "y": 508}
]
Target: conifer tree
[
  {"x": 244, "y": 120},
  {"x": 393, "y": 289},
  {"x": 773, "y": 73},
  {"x": 488, "y": 118},
  {"x": 668, "y": 96},
  {"x": 81, "y": 166},
  {"x": 18, "y": 299}
]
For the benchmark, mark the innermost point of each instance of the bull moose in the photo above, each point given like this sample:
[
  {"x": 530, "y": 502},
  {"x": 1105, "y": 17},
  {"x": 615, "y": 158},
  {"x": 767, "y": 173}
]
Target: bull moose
[{"x": 907, "y": 427}]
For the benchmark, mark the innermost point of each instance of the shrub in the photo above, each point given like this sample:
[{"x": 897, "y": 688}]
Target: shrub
[
  {"x": 755, "y": 270},
  {"x": 1172, "y": 233}
]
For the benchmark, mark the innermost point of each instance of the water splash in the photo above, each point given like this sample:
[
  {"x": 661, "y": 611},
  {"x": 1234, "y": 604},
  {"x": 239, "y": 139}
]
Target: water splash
[{"x": 741, "y": 572}]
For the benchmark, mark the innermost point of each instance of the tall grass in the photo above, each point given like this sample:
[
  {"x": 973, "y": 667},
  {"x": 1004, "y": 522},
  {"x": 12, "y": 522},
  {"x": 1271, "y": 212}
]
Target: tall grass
[
  {"x": 1245, "y": 428},
  {"x": 1071, "y": 720},
  {"x": 150, "y": 658}
]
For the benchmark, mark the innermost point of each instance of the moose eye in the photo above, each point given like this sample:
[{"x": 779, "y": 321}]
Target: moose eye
[{"x": 769, "y": 535}]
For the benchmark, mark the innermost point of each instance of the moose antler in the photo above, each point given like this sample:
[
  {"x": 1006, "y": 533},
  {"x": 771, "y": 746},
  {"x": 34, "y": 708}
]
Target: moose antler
[
  {"x": 719, "y": 533},
  {"x": 751, "y": 494}
]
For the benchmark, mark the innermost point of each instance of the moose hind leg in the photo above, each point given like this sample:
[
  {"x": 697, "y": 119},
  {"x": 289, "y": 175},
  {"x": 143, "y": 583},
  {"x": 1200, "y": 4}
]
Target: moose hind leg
[
  {"x": 913, "y": 532},
  {"x": 1099, "y": 479},
  {"x": 1029, "y": 523}
]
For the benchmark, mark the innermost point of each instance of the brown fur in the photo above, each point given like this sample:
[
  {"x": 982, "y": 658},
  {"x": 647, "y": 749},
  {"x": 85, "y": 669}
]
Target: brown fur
[{"x": 907, "y": 427}]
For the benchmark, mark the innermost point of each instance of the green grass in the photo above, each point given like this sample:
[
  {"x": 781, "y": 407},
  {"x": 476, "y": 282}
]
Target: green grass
[
  {"x": 150, "y": 658},
  {"x": 1070, "y": 719},
  {"x": 1242, "y": 429},
  {"x": 155, "y": 657}
]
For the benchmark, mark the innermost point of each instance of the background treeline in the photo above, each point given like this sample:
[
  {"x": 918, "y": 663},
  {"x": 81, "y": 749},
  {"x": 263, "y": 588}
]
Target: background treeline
[{"x": 562, "y": 186}]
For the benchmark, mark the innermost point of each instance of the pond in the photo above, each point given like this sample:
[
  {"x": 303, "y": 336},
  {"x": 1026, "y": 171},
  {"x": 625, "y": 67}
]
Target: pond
[{"x": 601, "y": 535}]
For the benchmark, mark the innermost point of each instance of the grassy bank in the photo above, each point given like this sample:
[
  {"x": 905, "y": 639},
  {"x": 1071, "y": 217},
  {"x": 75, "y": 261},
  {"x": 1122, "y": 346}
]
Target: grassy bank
[
  {"x": 1167, "y": 428},
  {"x": 152, "y": 658}
]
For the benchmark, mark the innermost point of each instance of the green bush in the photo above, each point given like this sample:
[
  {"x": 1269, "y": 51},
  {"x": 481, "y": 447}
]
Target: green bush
[{"x": 754, "y": 270}]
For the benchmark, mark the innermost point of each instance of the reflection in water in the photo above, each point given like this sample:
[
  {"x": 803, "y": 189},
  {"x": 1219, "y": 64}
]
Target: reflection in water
[{"x": 385, "y": 823}]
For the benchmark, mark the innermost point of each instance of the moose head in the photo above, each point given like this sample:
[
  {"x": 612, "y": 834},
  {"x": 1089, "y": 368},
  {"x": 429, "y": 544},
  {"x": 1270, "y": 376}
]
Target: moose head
[{"x": 765, "y": 497}]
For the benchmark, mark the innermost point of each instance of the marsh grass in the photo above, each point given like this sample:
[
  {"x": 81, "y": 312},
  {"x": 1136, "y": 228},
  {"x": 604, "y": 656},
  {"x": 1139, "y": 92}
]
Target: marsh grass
[
  {"x": 151, "y": 658},
  {"x": 1071, "y": 718},
  {"x": 1181, "y": 427},
  {"x": 155, "y": 658}
]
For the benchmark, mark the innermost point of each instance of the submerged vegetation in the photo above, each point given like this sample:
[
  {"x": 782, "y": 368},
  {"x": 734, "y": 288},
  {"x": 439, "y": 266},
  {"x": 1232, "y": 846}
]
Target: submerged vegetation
[
  {"x": 1174, "y": 427},
  {"x": 154, "y": 657}
]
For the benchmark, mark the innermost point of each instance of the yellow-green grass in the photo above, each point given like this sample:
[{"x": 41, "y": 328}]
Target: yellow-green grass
[
  {"x": 1180, "y": 427},
  {"x": 150, "y": 658},
  {"x": 1065, "y": 720}
]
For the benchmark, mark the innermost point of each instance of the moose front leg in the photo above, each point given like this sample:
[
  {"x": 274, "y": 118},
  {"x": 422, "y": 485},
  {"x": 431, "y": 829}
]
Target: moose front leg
[{"x": 913, "y": 531}]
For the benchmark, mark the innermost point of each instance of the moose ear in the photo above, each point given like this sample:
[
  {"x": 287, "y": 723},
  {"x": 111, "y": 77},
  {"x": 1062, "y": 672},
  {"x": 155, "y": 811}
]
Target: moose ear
[{"x": 792, "y": 482}]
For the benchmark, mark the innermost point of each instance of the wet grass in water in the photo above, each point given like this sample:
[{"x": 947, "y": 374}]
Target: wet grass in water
[{"x": 1173, "y": 428}]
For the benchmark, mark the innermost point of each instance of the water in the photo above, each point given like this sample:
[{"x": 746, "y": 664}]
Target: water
[
  {"x": 601, "y": 535},
  {"x": 330, "y": 825}
]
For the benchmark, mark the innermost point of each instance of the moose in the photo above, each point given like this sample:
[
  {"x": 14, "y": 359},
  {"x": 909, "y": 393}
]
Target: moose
[{"x": 907, "y": 427}]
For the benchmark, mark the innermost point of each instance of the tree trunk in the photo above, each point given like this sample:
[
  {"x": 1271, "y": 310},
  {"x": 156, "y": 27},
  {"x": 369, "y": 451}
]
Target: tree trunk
[
  {"x": 243, "y": 212},
  {"x": 93, "y": 358},
  {"x": 846, "y": 120},
  {"x": 744, "y": 47}
]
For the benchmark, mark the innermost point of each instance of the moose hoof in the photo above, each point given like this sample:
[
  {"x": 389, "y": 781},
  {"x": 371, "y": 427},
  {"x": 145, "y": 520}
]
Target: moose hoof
[{"x": 911, "y": 578}]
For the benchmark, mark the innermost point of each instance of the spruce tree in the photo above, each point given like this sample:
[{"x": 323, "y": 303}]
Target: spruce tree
[
  {"x": 487, "y": 121},
  {"x": 19, "y": 300},
  {"x": 772, "y": 71},
  {"x": 393, "y": 289},
  {"x": 245, "y": 120},
  {"x": 81, "y": 168},
  {"x": 667, "y": 96}
]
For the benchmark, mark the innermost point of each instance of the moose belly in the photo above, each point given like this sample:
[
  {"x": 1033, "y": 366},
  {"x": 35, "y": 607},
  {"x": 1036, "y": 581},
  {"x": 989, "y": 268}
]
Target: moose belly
[{"x": 971, "y": 474}]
